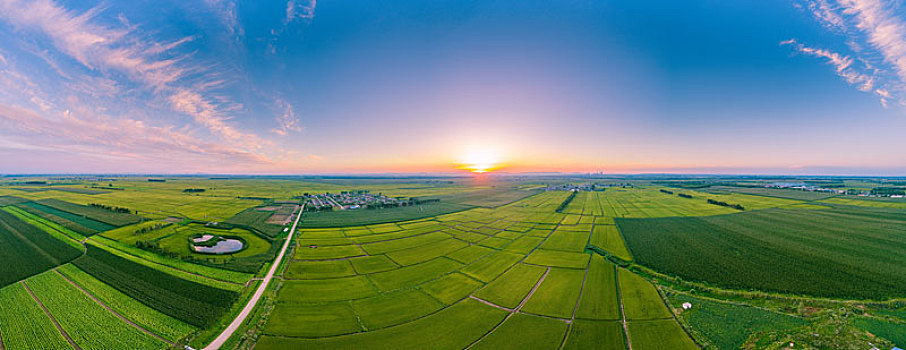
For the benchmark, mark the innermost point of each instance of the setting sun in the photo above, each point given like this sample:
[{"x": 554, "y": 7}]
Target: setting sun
[{"x": 481, "y": 160}]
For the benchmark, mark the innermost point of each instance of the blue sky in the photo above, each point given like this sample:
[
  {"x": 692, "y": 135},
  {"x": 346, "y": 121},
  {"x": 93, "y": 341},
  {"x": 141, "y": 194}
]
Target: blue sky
[{"x": 785, "y": 87}]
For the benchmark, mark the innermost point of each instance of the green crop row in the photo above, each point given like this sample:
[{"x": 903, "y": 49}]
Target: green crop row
[{"x": 194, "y": 303}]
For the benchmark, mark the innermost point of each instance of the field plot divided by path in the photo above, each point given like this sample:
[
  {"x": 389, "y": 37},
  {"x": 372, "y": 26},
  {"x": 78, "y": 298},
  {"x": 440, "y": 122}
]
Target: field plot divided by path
[
  {"x": 88, "y": 323},
  {"x": 24, "y": 324},
  {"x": 481, "y": 278}
]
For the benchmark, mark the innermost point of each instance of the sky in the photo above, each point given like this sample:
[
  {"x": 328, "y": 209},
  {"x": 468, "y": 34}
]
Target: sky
[{"x": 409, "y": 86}]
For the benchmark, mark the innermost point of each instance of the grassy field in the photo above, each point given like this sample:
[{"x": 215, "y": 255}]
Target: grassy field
[
  {"x": 844, "y": 252},
  {"x": 177, "y": 241}
]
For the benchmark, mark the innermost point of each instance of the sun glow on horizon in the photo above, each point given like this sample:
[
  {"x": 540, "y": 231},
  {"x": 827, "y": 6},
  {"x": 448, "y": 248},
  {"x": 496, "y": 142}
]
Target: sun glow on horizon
[{"x": 481, "y": 160}]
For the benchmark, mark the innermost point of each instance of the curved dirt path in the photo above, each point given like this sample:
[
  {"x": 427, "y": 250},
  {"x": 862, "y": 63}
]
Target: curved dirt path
[{"x": 228, "y": 332}]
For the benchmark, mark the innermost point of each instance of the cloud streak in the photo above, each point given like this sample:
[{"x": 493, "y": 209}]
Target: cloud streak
[
  {"x": 110, "y": 53},
  {"x": 299, "y": 10},
  {"x": 287, "y": 121},
  {"x": 876, "y": 33}
]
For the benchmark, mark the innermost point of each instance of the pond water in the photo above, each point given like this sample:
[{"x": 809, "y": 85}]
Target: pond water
[
  {"x": 202, "y": 238},
  {"x": 225, "y": 246}
]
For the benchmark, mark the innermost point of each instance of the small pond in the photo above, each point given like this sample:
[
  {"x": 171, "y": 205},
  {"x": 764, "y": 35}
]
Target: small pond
[{"x": 205, "y": 244}]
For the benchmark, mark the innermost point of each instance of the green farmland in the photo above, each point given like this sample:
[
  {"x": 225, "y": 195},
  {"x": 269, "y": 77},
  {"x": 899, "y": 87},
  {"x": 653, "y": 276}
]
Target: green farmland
[
  {"x": 475, "y": 278},
  {"x": 850, "y": 252},
  {"x": 493, "y": 267}
]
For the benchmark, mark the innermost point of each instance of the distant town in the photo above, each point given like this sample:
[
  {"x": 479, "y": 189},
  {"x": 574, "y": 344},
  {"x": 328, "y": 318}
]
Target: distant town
[
  {"x": 357, "y": 199},
  {"x": 892, "y": 192}
]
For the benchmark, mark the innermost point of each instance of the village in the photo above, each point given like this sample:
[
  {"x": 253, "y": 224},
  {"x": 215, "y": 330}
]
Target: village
[{"x": 357, "y": 199}]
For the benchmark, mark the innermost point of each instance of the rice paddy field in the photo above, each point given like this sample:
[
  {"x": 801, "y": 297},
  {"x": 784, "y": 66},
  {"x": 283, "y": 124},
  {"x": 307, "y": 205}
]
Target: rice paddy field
[
  {"x": 515, "y": 276},
  {"x": 504, "y": 268}
]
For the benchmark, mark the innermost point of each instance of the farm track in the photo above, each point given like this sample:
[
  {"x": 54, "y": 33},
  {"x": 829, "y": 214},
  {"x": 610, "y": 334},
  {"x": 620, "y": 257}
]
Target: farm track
[
  {"x": 52, "y": 319},
  {"x": 622, "y": 309},
  {"x": 578, "y": 300},
  {"x": 511, "y": 311},
  {"x": 247, "y": 310},
  {"x": 99, "y": 302}
]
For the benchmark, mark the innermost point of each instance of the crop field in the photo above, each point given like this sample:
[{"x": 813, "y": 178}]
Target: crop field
[
  {"x": 143, "y": 315},
  {"x": 503, "y": 269},
  {"x": 892, "y": 331},
  {"x": 93, "y": 213},
  {"x": 484, "y": 278},
  {"x": 339, "y": 218},
  {"x": 256, "y": 219},
  {"x": 892, "y": 204},
  {"x": 191, "y": 302},
  {"x": 88, "y": 324},
  {"x": 27, "y": 250},
  {"x": 772, "y": 192},
  {"x": 835, "y": 252},
  {"x": 24, "y": 324},
  {"x": 207, "y": 275},
  {"x": 651, "y": 202},
  {"x": 62, "y": 233},
  {"x": 728, "y": 326},
  {"x": 85, "y": 225}
]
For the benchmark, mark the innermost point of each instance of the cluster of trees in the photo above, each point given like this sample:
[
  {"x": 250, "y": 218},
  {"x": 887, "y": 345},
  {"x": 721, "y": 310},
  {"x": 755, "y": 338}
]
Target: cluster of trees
[
  {"x": 109, "y": 187},
  {"x": 154, "y": 247},
  {"x": 325, "y": 207},
  {"x": 667, "y": 192},
  {"x": 147, "y": 229},
  {"x": 414, "y": 200},
  {"x": 685, "y": 195},
  {"x": 112, "y": 208},
  {"x": 887, "y": 191},
  {"x": 193, "y": 190},
  {"x": 566, "y": 201},
  {"x": 725, "y": 204}
]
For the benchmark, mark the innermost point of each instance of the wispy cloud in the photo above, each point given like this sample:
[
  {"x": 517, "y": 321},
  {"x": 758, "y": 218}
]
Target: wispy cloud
[
  {"x": 876, "y": 33},
  {"x": 843, "y": 65},
  {"x": 99, "y": 134},
  {"x": 96, "y": 46},
  {"x": 299, "y": 10},
  {"x": 826, "y": 12},
  {"x": 226, "y": 10},
  {"x": 287, "y": 121},
  {"x": 885, "y": 29},
  {"x": 114, "y": 52}
]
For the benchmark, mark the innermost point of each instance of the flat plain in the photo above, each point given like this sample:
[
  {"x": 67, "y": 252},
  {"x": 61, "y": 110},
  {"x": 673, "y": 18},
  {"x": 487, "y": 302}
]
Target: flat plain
[{"x": 501, "y": 267}]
